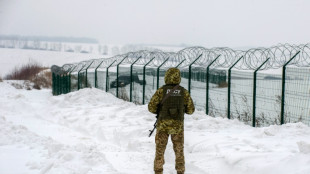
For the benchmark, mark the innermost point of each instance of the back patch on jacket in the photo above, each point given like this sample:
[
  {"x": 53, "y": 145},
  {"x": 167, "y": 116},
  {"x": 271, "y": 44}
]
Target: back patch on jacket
[
  {"x": 176, "y": 92},
  {"x": 173, "y": 107}
]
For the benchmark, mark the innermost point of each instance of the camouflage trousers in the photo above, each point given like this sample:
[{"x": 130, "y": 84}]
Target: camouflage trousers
[{"x": 161, "y": 141}]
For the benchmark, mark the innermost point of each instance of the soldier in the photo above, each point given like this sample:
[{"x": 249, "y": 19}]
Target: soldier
[{"x": 171, "y": 119}]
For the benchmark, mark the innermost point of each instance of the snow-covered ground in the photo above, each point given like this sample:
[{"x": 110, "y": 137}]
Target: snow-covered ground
[
  {"x": 91, "y": 132},
  {"x": 10, "y": 58}
]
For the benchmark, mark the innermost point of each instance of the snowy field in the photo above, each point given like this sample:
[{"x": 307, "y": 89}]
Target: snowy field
[
  {"x": 10, "y": 58},
  {"x": 92, "y": 132}
]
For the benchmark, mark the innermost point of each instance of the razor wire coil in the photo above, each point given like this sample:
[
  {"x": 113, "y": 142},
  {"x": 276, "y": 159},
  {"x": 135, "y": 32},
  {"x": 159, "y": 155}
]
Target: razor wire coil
[{"x": 251, "y": 59}]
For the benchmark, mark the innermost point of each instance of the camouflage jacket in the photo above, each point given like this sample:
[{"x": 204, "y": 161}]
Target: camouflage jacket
[{"x": 171, "y": 126}]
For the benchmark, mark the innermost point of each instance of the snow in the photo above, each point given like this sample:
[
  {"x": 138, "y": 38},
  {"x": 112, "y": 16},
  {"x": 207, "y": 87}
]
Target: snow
[
  {"x": 92, "y": 132},
  {"x": 10, "y": 58}
]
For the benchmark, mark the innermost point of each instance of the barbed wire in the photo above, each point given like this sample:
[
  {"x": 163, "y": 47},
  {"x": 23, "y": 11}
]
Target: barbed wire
[{"x": 250, "y": 60}]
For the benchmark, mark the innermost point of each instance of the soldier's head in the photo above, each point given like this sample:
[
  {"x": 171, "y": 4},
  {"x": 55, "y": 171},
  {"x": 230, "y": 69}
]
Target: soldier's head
[{"x": 173, "y": 76}]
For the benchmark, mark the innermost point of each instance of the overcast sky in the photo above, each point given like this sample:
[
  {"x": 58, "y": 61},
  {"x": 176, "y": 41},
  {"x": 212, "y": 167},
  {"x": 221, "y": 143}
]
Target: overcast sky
[{"x": 209, "y": 23}]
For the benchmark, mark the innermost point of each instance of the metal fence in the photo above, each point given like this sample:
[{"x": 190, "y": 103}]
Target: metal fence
[{"x": 260, "y": 86}]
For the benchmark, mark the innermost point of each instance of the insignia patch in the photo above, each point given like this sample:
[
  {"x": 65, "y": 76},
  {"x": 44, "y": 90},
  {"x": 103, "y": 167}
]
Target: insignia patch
[{"x": 176, "y": 92}]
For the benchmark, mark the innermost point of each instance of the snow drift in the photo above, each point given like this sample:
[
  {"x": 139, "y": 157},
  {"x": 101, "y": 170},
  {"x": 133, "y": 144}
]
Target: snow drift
[{"x": 90, "y": 131}]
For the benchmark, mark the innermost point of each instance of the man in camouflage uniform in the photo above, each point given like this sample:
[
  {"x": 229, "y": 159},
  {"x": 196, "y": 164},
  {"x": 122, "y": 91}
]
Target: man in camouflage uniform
[{"x": 171, "y": 119}]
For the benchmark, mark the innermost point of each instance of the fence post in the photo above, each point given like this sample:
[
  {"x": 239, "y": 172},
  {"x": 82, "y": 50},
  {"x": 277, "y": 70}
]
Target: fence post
[
  {"x": 69, "y": 82},
  {"x": 229, "y": 86},
  {"x": 180, "y": 63},
  {"x": 65, "y": 83},
  {"x": 96, "y": 83},
  {"x": 58, "y": 85},
  {"x": 158, "y": 68},
  {"x": 143, "y": 82},
  {"x": 283, "y": 87},
  {"x": 86, "y": 84},
  {"x": 61, "y": 83},
  {"x": 63, "y": 89},
  {"x": 70, "y": 78},
  {"x": 107, "y": 76},
  {"x": 117, "y": 67},
  {"x": 207, "y": 85},
  {"x": 131, "y": 66},
  {"x": 254, "y": 93},
  {"x": 78, "y": 80},
  {"x": 190, "y": 73},
  {"x": 79, "y": 76},
  {"x": 53, "y": 83}
]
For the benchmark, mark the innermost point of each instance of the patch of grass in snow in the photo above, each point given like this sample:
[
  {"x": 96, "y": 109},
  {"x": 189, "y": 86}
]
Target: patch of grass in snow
[
  {"x": 33, "y": 72},
  {"x": 43, "y": 80}
]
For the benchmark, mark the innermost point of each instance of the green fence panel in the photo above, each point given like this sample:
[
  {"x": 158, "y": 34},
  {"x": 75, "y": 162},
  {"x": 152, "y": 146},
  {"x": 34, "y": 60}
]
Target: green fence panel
[
  {"x": 254, "y": 93},
  {"x": 190, "y": 73},
  {"x": 117, "y": 75},
  {"x": 229, "y": 88},
  {"x": 184, "y": 77},
  {"x": 283, "y": 88},
  {"x": 198, "y": 87},
  {"x": 160, "y": 73},
  {"x": 218, "y": 87},
  {"x": 161, "y": 76},
  {"x": 67, "y": 83},
  {"x": 91, "y": 78},
  {"x": 107, "y": 77},
  {"x": 74, "y": 81},
  {"x": 53, "y": 84},
  {"x": 150, "y": 83},
  {"x": 87, "y": 83},
  {"x": 64, "y": 84},
  {"x": 132, "y": 78},
  {"x": 101, "y": 78},
  {"x": 124, "y": 82},
  {"x": 96, "y": 75},
  {"x": 297, "y": 95},
  {"x": 69, "y": 79},
  {"x": 82, "y": 79},
  {"x": 144, "y": 80},
  {"x": 65, "y": 90},
  {"x": 137, "y": 84},
  {"x": 58, "y": 85},
  {"x": 242, "y": 96},
  {"x": 268, "y": 98},
  {"x": 111, "y": 80},
  {"x": 207, "y": 79}
]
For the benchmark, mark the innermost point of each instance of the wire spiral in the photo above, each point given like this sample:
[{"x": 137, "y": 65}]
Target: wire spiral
[{"x": 251, "y": 59}]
